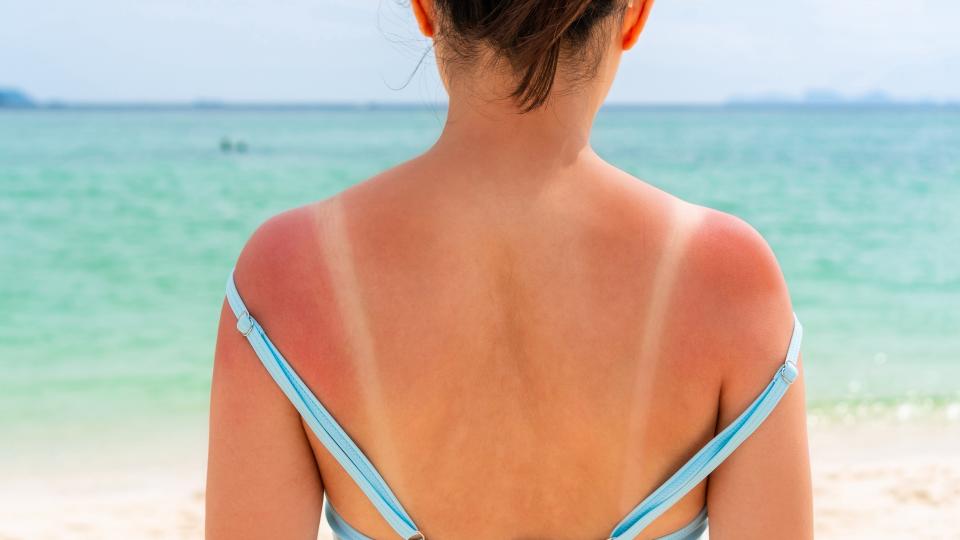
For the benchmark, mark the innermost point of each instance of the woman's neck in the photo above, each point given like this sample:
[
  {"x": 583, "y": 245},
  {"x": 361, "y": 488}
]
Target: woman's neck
[{"x": 483, "y": 133}]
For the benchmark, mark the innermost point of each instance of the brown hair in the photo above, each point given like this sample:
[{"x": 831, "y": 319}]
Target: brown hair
[{"x": 529, "y": 34}]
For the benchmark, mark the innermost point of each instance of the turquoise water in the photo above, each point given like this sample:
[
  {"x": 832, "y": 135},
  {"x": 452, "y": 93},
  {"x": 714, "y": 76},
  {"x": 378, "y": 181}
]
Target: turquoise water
[{"x": 118, "y": 228}]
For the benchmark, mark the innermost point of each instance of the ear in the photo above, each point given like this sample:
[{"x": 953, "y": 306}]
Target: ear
[
  {"x": 423, "y": 11},
  {"x": 633, "y": 21}
]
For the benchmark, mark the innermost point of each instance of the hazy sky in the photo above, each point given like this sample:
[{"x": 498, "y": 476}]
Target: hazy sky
[{"x": 350, "y": 50}]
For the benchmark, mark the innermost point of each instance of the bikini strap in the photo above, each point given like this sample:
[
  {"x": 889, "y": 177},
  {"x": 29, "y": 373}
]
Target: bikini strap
[
  {"x": 321, "y": 422},
  {"x": 715, "y": 451}
]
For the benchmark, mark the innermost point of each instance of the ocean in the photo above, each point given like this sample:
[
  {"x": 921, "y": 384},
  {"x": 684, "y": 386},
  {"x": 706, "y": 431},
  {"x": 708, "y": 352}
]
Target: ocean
[{"x": 118, "y": 228}]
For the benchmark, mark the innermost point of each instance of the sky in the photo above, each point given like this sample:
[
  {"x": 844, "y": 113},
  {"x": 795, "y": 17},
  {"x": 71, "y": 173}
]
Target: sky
[{"x": 693, "y": 51}]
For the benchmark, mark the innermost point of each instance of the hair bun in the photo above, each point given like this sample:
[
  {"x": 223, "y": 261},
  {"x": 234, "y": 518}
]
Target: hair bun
[{"x": 529, "y": 34}]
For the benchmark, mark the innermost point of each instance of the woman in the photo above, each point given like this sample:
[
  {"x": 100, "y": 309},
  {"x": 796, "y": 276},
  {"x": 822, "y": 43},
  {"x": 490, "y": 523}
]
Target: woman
[{"x": 506, "y": 337}]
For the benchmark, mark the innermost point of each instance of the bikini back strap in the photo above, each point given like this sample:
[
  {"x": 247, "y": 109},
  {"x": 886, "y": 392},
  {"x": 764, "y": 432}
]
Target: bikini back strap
[
  {"x": 321, "y": 422},
  {"x": 715, "y": 451}
]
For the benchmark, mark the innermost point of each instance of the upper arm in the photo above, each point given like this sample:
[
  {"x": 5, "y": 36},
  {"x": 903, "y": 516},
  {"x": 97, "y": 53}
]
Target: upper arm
[
  {"x": 262, "y": 478},
  {"x": 763, "y": 489}
]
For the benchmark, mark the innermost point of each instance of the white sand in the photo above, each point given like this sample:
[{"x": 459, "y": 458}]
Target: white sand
[{"x": 896, "y": 479}]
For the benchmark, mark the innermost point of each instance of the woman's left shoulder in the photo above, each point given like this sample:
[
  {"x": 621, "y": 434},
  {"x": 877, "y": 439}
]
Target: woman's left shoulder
[{"x": 742, "y": 300}]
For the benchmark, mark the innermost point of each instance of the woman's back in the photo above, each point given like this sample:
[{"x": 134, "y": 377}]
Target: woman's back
[
  {"x": 519, "y": 357},
  {"x": 523, "y": 340}
]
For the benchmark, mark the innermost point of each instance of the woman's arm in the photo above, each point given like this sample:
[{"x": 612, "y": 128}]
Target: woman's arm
[
  {"x": 262, "y": 477},
  {"x": 763, "y": 489}
]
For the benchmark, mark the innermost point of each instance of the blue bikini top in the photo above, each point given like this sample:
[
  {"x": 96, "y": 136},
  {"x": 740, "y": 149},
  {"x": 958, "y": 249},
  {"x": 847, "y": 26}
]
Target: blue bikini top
[{"x": 349, "y": 456}]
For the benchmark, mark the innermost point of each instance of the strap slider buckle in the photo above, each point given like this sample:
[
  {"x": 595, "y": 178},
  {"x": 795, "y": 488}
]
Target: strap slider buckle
[
  {"x": 788, "y": 372},
  {"x": 245, "y": 324},
  {"x": 417, "y": 536}
]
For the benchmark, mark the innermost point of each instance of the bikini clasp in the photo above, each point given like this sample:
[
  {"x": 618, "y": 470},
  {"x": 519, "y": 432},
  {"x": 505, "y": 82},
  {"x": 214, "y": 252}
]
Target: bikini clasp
[
  {"x": 789, "y": 372},
  {"x": 245, "y": 323}
]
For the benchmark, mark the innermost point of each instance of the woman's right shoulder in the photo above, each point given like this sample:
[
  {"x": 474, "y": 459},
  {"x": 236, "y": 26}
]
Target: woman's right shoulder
[
  {"x": 293, "y": 246},
  {"x": 277, "y": 239},
  {"x": 283, "y": 255}
]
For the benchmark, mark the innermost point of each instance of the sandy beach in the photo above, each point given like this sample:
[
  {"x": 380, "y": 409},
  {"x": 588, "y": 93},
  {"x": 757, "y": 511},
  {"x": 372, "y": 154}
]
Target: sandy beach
[
  {"x": 887, "y": 480},
  {"x": 895, "y": 478}
]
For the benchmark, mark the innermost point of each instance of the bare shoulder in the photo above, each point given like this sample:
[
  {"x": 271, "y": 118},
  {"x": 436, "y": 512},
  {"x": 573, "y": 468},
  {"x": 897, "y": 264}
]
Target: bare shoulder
[
  {"x": 735, "y": 261},
  {"x": 289, "y": 249},
  {"x": 259, "y": 461},
  {"x": 279, "y": 236},
  {"x": 728, "y": 289},
  {"x": 289, "y": 279},
  {"x": 745, "y": 307},
  {"x": 738, "y": 293},
  {"x": 278, "y": 254}
]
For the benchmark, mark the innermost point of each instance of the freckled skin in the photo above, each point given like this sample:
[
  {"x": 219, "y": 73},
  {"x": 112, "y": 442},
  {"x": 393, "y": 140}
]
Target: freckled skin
[{"x": 523, "y": 339}]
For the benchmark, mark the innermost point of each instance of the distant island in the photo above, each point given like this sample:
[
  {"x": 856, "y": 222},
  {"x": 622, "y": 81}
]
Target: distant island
[
  {"x": 827, "y": 96},
  {"x": 13, "y": 98}
]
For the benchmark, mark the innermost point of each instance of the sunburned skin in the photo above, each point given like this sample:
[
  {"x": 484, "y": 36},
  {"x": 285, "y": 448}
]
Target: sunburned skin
[{"x": 457, "y": 357}]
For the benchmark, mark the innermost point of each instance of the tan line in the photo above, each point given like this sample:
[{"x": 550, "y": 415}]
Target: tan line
[
  {"x": 684, "y": 220},
  {"x": 347, "y": 292}
]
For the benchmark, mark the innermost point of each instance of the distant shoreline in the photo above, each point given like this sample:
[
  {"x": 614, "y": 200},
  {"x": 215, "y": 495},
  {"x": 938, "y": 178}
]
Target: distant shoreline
[{"x": 281, "y": 107}]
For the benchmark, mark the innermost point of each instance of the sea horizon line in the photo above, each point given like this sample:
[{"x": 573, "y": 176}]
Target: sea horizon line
[{"x": 213, "y": 105}]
